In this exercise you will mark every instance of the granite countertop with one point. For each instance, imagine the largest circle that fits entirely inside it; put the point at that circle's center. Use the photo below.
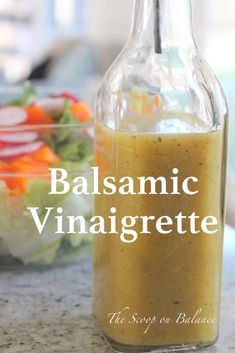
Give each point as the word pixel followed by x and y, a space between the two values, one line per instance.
pixel 50 311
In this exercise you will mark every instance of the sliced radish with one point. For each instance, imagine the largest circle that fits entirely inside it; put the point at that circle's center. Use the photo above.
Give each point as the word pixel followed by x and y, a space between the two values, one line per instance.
pixel 10 153
pixel 52 104
pixel 19 137
pixel 12 116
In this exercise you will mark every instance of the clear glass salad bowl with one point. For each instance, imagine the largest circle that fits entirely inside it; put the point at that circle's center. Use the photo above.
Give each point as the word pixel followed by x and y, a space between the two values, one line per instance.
pixel 39 132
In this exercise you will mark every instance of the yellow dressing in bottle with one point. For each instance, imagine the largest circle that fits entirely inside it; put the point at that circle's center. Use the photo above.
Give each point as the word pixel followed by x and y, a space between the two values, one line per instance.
pixel 160 275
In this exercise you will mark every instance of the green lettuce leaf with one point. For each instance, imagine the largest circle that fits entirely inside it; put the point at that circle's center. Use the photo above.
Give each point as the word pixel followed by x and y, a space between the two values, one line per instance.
pixel 76 151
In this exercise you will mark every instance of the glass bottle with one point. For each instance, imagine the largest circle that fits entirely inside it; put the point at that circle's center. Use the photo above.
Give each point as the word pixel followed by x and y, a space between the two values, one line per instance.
pixel 161 112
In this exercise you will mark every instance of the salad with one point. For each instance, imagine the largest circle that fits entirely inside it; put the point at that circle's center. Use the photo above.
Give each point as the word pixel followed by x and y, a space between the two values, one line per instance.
pixel 37 134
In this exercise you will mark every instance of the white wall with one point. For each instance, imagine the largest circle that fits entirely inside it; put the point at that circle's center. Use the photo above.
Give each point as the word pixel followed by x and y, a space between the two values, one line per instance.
pixel 220 50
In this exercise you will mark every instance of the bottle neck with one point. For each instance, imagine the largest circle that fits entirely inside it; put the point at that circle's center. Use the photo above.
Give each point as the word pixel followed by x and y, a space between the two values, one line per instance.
pixel 163 24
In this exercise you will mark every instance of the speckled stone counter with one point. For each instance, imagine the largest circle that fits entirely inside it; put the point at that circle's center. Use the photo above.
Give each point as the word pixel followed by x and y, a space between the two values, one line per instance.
pixel 50 311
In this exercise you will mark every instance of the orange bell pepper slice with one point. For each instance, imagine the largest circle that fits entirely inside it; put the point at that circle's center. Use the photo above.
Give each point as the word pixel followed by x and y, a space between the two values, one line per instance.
pixel 46 155
pixel 24 171
pixel 36 116
pixel 25 168
pixel 81 111
pixel 12 182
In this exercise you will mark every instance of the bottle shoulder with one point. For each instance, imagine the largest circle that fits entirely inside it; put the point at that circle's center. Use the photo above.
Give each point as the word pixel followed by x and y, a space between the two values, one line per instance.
pixel 141 83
